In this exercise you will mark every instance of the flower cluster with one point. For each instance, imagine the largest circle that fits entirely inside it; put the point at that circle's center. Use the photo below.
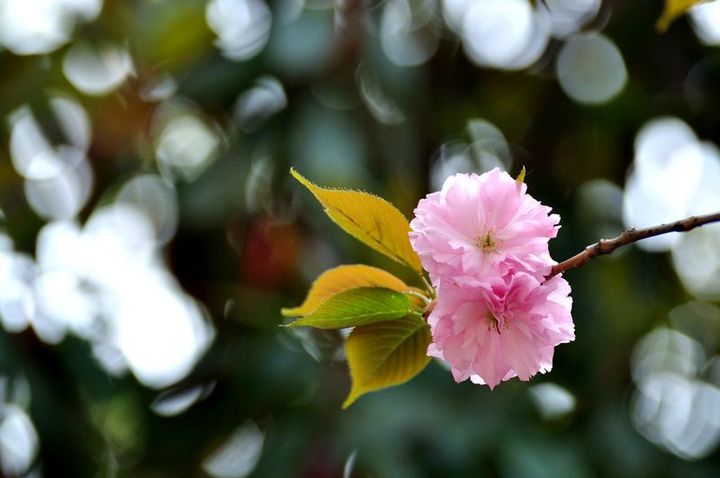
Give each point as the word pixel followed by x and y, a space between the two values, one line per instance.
pixel 484 242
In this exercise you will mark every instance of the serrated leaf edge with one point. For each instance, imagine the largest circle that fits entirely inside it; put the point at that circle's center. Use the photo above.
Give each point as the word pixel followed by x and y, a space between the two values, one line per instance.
pixel 376 244
pixel 353 396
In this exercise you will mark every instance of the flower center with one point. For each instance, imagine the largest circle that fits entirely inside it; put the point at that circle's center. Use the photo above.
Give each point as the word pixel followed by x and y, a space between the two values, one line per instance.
pixel 486 242
pixel 494 323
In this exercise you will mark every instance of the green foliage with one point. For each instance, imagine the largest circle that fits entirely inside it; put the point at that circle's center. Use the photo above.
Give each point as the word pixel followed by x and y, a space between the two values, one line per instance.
pixel 385 354
pixel 340 279
pixel 521 177
pixel 365 305
pixel 389 344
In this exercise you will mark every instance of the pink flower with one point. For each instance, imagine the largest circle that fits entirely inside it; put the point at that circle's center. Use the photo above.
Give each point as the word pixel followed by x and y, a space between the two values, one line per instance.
pixel 480 225
pixel 484 242
pixel 501 328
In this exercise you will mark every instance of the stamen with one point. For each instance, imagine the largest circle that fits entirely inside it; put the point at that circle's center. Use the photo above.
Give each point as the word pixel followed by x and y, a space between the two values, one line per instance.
pixel 486 242
pixel 493 322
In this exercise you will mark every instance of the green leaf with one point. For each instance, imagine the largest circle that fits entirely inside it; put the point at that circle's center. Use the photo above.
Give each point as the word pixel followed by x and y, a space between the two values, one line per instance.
pixel 342 278
pixel 385 354
pixel 361 306
pixel 521 177
pixel 368 218
pixel 674 9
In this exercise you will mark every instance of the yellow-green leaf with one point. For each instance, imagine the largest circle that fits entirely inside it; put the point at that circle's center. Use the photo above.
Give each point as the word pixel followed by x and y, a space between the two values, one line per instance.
pixel 342 278
pixel 368 218
pixel 354 307
pixel 674 9
pixel 521 177
pixel 385 354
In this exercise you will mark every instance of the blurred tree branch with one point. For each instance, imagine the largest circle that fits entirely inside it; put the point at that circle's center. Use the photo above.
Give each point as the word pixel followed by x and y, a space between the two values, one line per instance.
pixel 350 18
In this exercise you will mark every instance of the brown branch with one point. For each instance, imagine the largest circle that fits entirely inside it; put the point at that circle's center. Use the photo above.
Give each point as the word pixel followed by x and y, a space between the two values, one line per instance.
pixel 607 246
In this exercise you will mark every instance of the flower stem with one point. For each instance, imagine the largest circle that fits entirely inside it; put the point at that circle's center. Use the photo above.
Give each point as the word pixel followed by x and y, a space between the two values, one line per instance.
pixel 420 296
pixel 607 246
pixel 428 286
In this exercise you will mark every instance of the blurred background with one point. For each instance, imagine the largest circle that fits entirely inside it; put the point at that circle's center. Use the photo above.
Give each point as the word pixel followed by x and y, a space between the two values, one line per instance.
pixel 150 231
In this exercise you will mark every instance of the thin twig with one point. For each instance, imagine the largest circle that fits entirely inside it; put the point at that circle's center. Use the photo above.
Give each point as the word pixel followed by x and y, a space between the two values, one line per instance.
pixel 607 246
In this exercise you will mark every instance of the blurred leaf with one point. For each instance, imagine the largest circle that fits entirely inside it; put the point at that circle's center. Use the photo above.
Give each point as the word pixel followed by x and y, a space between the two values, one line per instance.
pixel 121 423
pixel 385 354
pixel 521 177
pixel 368 218
pixel 361 306
pixel 340 279
pixel 674 9
pixel 178 22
